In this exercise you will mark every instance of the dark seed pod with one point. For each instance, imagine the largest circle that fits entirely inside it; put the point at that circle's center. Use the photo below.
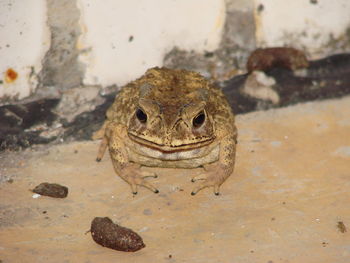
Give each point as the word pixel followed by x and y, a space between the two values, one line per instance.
pixel 52 190
pixel 105 233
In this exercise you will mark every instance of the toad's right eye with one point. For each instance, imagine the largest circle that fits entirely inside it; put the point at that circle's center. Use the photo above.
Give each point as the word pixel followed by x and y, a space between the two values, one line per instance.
pixel 141 115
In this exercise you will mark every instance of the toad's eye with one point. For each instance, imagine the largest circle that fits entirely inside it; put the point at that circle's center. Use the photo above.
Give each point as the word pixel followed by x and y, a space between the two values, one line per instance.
pixel 198 120
pixel 141 115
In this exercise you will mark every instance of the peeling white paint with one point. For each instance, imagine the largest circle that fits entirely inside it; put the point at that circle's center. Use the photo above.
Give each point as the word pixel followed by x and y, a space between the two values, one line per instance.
pixel 24 40
pixel 301 23
pixel 121 39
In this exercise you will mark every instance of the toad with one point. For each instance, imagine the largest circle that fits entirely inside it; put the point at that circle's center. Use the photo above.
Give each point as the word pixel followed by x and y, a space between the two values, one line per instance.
pixel 170 118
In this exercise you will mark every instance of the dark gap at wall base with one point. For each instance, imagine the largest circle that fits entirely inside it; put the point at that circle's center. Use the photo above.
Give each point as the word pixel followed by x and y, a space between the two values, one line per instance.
pixel 23 125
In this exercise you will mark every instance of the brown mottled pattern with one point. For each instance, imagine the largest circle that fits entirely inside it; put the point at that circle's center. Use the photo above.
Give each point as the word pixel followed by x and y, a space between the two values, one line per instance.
pixel 171 100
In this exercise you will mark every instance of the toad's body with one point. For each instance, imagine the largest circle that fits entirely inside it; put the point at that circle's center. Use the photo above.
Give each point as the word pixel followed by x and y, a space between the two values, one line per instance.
pixel 170 118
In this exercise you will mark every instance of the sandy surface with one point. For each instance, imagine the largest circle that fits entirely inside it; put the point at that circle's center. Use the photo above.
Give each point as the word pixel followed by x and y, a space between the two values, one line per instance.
pixel 289 190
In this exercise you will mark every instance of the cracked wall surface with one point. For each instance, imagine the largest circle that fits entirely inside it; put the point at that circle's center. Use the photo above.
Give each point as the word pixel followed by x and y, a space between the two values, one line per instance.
pixel 61 67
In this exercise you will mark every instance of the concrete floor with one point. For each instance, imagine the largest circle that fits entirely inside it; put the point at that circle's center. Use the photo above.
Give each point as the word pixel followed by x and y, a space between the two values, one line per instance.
pixel 289 190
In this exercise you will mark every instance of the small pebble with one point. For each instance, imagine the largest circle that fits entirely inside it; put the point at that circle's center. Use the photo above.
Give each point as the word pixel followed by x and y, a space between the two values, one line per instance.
pixel 36 196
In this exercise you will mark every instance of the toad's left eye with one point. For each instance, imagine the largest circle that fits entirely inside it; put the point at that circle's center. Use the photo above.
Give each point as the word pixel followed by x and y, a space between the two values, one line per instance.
pixel 198 120
pixel 141 115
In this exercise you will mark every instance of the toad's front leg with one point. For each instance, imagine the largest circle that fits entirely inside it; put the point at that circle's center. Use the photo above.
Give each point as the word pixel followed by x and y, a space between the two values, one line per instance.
pixel 216 173
pixel 130 172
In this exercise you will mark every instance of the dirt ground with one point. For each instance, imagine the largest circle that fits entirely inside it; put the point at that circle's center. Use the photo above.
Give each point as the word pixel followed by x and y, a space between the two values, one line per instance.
pixel 284 202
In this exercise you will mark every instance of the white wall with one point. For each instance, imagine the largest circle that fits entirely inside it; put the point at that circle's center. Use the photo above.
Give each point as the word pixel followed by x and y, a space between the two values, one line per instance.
pixel 24 40
pixel 109 56
pixel 308 24
pixel 155 26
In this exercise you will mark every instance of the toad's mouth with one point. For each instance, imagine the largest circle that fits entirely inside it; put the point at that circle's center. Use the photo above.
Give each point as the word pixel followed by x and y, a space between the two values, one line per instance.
pixel 168 148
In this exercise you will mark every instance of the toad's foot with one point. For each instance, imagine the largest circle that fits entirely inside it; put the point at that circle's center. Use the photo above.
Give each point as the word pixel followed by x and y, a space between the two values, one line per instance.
pixel 214 176
pixel 133 175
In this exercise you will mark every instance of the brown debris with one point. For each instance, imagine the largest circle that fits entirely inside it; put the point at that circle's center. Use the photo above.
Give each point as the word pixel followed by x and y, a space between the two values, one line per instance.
pixel 52 190
pixel 107 234
pixel 264 59
pixel 341 227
